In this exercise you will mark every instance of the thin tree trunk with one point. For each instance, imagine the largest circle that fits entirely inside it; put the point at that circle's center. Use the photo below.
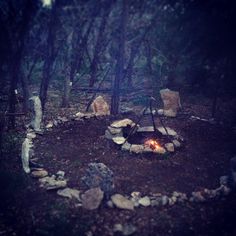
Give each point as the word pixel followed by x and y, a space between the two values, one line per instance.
pixel 115 100
pixel 66 91
pixel 13 88
pixel 49 57
pixel 25 89
pixel 79 48
pixel 98 48
pixel 135 48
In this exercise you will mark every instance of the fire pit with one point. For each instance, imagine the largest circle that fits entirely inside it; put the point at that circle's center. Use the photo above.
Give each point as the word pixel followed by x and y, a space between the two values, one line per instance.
pixel 143 139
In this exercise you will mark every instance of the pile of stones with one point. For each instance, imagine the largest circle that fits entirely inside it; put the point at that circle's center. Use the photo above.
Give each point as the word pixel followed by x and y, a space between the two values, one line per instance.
pixel 115 132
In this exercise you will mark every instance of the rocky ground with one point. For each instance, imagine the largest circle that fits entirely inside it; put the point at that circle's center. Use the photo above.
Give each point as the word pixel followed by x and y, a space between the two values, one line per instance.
pixel 148 184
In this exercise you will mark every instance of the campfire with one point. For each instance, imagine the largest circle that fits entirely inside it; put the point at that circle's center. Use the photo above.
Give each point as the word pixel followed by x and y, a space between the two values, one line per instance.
pixel 153 144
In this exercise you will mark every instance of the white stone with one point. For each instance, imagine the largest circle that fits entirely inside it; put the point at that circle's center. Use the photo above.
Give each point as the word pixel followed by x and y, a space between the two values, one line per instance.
pixel 49 125
pixel 50 183
pixel 170 131
pixel 160 112
pixel 100 107
pixel 171 101
pixel 136 148
pixel 36 122
pixel 122 202
pixel 114 130
pixel 136 195
pixel 118 140
pixel 39 173
pixel 144 201
pixel 69 193
pixel 170 147
pixel 61 173
pixel 31 135
pixel 126 146
pixel 122 123
pixel 164 200
pixel 176 143
pixel 25 154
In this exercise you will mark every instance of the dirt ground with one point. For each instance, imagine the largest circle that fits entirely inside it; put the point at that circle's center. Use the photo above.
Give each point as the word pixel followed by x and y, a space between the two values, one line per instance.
pixel 27 209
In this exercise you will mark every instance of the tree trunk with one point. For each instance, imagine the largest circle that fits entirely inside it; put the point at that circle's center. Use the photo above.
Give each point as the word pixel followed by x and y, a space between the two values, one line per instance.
pixel 115 100
pixel 25 89
pixel 28 12
pixel 49 57
pixel 66 92
pixel 98 48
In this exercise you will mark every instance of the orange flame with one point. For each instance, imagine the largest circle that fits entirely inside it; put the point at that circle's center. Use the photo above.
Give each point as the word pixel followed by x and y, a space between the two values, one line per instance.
pixel 152 143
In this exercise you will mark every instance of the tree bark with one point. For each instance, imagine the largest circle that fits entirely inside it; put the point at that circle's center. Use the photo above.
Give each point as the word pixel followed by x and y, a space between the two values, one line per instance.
pixel 28 12
pixel 98 48
pixel 49 56
pixel 115 100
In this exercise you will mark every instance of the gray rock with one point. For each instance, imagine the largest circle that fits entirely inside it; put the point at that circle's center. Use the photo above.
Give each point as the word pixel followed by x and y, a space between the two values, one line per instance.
pixel 136 148
pixel 224 180
pixel 126 229
pixel 50 183
pixel 170 147
pixel 110 204
pixel 92 198
pixel 129 229
pixel 37 118
pixel 122 123
pixel 170 131
pixel 108 135
pixel 176 143
pixel 171 101
pixel 119 140
pixel 144 201
pixel 197 197
pixel 122 202
pixel 126 146
pixel 99 175
pixel 60 175
pixel 164 200
pixel 155 202
pixel 39 173
pixel 31 135
pixel 69 193
pixel 25 154
pixel 100 107
pixel 160 112
pixel 49 125
pixel 113 130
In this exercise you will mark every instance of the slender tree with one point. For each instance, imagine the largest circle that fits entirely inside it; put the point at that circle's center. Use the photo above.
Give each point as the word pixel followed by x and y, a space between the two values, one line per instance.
pixel 119 71
pixel 50 54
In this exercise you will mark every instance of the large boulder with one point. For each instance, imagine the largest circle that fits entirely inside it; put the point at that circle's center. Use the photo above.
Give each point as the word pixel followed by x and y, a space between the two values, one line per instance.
pixel 100 106
pixel 171 101
pixel 99 175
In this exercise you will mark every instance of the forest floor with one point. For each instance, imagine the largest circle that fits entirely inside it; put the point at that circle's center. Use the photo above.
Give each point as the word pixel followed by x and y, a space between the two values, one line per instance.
pixel 27 209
